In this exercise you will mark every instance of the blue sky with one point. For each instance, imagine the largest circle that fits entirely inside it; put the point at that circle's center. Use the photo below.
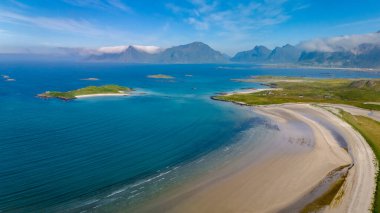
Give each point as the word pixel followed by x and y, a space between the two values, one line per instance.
pixel 226 25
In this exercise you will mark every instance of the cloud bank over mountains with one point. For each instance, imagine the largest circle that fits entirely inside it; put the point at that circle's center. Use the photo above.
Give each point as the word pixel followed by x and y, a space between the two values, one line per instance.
pixel 332 44
pixel 340 43
pixel 120 49
pixel 361 50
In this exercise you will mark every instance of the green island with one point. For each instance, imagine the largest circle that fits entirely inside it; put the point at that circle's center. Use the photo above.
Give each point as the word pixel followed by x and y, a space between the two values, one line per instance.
pixel 90 90
pixel 162 76
pixel 362 93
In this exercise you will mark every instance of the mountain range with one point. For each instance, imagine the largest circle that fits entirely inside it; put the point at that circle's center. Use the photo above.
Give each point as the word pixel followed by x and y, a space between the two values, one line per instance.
pixel 366 55
pixel 196 52
pixel 361 51
pixel 260 54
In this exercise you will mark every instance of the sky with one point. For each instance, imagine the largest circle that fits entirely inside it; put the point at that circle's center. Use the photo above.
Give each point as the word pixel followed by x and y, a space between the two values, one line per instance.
pixel 226 25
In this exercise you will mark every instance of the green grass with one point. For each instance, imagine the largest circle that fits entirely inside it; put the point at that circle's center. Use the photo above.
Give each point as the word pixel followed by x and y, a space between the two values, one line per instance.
pixel 267 78
pixel 160 76
pixel 326 198
pixel 336 91
pixel 106 89
pixel 370 130
pixel 307 90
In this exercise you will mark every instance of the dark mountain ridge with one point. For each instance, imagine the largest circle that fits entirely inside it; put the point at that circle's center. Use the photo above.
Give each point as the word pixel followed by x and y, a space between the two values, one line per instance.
pixel 196 52
pixel 261 54
pixel 256 55
pixel 364 55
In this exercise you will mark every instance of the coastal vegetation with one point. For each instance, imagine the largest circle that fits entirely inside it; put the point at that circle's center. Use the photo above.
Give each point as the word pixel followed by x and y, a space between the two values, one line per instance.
pixel 326 198
pixel 363 93
pixel 90 90
pixel 370 130
pixel 160 76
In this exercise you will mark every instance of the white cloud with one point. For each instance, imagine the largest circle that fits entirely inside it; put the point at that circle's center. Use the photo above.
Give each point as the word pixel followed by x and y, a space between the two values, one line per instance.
pixel 120 49
pixel 85 3
pixel 174 8
pixel 113 49
pixel 19 4
pixel 148 49
pixel 340 43
pixel 224 16
pixel 359 23
pixel 59 24
pixel 120 5
pixel 81 29
pixel 72 51
pixel 203 6
pixel 105 5
pixel 200 25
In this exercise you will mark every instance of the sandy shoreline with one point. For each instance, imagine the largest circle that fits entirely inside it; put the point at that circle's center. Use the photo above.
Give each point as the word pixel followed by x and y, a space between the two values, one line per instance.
pixel 290 66
pixel 360 183
pixel 301 156
pixel 375 115
pixel 358 69
pixel 102 95
pixel 252 90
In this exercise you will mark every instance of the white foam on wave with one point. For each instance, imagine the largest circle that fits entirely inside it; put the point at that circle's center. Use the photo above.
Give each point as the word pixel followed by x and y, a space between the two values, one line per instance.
pixel 132 196
pixel 136 191
pixel 117 192
pixel 150 179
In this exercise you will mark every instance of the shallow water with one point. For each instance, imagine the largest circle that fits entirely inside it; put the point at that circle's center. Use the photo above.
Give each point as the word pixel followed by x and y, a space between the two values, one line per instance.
pixel 83 154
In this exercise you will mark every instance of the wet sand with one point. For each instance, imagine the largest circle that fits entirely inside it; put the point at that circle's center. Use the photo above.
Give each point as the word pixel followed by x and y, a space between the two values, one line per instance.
pixel 285 170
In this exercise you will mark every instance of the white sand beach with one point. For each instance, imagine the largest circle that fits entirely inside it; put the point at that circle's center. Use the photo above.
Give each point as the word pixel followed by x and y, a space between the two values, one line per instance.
pixel 375 115
pixel 283 173
pixel 253 90
pixel 102 95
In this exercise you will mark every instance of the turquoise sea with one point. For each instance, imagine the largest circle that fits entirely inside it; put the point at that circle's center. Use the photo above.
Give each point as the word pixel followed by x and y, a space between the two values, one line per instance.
pixel 105 153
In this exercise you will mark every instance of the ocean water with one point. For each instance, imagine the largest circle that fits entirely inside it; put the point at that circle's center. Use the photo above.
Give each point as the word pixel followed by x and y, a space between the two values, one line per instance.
pixel 97 153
